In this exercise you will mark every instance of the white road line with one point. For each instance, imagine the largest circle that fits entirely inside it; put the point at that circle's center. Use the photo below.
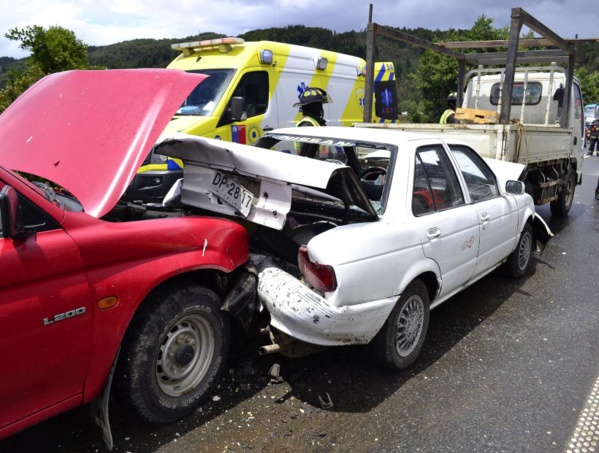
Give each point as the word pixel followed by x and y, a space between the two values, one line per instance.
pixel 585 438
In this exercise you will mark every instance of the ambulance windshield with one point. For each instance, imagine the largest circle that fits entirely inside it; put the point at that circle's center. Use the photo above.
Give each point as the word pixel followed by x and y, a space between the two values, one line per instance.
pixel 205 97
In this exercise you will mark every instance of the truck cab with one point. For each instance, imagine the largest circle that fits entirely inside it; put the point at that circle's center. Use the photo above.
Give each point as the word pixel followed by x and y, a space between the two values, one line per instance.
pixel 537 96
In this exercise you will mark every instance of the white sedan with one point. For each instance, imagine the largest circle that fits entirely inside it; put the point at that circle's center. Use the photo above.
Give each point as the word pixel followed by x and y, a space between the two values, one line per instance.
pixel 358 233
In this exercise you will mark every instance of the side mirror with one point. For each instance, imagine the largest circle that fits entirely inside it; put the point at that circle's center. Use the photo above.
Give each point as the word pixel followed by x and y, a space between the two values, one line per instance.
pixel 514 187
pixel 237 108
pixel 11 217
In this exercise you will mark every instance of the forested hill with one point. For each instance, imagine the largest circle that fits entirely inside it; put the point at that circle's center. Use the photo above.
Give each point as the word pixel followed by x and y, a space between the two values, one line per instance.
pixel 157 53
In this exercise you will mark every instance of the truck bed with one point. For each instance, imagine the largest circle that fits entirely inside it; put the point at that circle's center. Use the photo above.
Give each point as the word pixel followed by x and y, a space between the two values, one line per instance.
pixel 526 144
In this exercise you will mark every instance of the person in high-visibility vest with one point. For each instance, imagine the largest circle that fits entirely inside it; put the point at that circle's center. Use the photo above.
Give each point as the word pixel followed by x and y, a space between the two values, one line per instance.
pixel 448 116
pixel 311 103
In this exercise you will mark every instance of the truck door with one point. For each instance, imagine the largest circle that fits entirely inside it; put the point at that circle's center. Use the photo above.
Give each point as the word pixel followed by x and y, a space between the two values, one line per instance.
pixel 45 319
pixel 578 120
pixel 254 88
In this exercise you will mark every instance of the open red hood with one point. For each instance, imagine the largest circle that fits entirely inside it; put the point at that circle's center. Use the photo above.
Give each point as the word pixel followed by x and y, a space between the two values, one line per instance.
pixel 89 131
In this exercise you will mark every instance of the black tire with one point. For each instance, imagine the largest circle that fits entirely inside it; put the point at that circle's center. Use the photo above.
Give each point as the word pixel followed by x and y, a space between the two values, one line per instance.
pixel 519 261
pixel 173 354
pixel 561 206
pixel 400 340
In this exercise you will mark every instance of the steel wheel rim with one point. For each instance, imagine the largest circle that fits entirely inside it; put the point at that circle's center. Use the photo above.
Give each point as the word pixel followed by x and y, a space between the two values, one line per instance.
pixel 185 355
pixel 524 251
pixel 409 326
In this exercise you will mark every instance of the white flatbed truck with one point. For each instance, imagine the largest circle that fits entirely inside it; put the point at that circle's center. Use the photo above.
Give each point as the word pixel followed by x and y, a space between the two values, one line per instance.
pixel 528 114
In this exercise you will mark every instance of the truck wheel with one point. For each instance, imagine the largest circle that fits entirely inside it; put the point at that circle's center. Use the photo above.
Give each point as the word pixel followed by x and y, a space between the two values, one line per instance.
pixel 519 261
pixel 400 340
pixel 561 206
pixel 173 353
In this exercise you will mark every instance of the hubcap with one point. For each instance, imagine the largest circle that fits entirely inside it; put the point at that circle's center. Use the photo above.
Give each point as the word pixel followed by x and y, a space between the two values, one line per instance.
pixel 409 326
pixel 524 251
pixel 185 355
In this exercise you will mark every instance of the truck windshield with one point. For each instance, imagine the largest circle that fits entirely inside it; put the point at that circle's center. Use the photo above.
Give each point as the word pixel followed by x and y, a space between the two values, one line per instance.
pixel 205 97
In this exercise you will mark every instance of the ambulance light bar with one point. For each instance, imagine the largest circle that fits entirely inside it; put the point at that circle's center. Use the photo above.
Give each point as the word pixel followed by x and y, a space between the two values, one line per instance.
pixel 224 45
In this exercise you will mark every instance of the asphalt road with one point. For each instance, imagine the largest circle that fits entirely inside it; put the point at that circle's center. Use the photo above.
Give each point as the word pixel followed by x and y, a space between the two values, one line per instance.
pixel 508 366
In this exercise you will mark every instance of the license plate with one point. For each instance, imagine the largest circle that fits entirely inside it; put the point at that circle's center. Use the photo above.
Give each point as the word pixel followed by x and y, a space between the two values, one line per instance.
pixel 232 192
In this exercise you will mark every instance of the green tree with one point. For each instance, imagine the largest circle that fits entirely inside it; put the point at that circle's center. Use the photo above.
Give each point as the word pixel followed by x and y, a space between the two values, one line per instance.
pixel 437 75
pixel 52 50
pixel 17 82
pixel 590 85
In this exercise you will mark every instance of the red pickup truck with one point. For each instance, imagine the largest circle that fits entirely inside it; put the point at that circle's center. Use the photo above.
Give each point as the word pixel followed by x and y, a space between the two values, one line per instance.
pixel 88 284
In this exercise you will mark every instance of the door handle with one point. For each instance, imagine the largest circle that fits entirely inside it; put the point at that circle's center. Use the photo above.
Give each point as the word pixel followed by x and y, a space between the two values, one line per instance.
pixel 433 233
pixel 267 129
pixel 484 217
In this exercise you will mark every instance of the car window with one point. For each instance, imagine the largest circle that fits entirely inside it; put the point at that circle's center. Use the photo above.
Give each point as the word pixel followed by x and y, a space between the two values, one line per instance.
pixel 205 97
pixel 479 178
pixel 369 161
pixel 530 96
pixel 253 87
pixel 436 186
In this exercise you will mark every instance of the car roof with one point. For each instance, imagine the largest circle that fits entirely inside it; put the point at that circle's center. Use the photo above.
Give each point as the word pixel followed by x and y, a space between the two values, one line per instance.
pixel 374 135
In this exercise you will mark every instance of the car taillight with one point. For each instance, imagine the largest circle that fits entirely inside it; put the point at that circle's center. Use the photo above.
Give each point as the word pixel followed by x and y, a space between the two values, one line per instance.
pixel 320 276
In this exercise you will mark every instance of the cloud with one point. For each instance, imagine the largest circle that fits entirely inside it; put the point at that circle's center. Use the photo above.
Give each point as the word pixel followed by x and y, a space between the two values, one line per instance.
pixel 103 22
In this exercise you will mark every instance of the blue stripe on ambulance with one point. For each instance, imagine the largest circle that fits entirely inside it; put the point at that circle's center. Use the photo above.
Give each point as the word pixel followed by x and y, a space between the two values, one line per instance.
pixel 380 75
pixel 172 165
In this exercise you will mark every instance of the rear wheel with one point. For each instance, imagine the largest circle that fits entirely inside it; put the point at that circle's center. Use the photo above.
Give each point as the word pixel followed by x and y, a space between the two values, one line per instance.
pixel 173 354
pixel 519 261
pixel 400 340
pixel 561 206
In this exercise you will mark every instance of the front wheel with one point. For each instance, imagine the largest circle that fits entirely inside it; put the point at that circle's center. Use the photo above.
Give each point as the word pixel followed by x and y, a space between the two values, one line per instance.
pixel 561 206
pixel 519 261
pixel 173 353
pixel 400 340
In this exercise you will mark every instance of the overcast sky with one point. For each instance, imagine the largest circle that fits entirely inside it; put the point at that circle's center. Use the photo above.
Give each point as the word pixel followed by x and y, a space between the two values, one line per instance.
pixel 102 22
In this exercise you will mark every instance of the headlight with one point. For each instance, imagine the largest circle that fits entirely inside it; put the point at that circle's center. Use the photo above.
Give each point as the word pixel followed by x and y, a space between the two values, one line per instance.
pixel 157 158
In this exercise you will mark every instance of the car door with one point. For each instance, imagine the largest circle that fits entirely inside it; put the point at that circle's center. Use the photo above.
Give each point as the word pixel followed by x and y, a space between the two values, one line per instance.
pixel 44 318
pixel 497 214
pixel 448 227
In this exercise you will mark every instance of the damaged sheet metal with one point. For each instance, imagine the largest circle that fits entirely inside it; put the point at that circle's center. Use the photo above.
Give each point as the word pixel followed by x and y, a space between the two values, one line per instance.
pixel 270 206
pixel 302 313
pixel 272 178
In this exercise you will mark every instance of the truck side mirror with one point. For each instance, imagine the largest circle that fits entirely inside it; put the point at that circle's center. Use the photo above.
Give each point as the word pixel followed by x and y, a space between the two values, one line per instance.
pixel 237 108
pixel 11 217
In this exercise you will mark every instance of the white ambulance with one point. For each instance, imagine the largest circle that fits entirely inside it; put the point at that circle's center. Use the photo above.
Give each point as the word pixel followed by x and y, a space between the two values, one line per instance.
pixel 251 89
